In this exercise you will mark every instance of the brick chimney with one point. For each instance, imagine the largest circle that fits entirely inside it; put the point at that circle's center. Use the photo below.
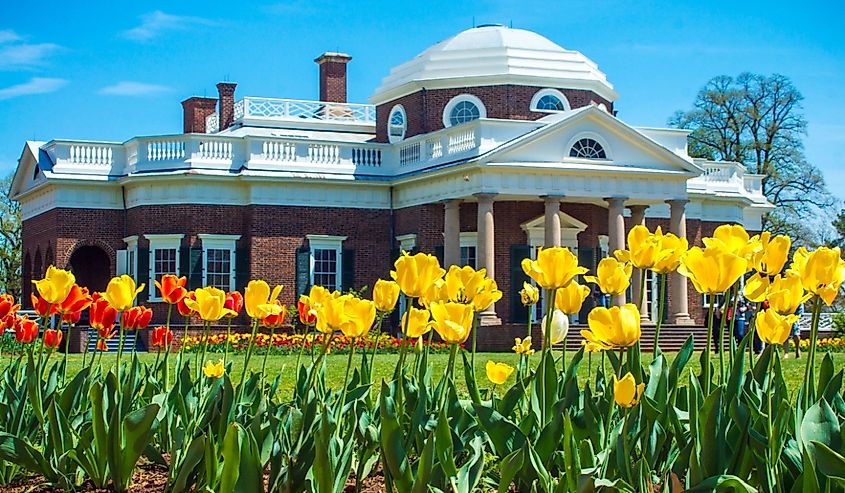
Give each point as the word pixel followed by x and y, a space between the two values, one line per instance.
pixel 194 111
pixel 226 112
pixel 333 76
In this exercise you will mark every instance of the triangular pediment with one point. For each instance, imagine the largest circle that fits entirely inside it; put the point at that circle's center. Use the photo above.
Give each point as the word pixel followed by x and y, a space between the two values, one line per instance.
pixel 29 172
pixel 623 145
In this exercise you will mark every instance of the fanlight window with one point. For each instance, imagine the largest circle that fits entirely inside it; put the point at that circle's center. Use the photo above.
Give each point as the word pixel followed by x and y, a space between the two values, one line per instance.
pixel 587 149
pixel 463 112
pixel 397 124
pixel 550 102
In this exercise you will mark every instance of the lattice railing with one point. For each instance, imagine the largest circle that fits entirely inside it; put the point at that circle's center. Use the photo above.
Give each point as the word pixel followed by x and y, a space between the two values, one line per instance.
pixel 294 109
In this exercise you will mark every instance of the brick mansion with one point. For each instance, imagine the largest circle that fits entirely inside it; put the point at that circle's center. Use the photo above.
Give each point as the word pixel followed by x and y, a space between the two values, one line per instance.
pixel 481 149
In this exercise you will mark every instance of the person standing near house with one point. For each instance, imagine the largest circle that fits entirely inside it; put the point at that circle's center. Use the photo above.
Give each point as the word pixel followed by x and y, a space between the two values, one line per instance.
pixel 740 322
pixel 795 335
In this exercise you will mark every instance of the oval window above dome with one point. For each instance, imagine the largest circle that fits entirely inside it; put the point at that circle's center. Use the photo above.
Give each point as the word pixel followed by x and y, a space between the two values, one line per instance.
pixel 463 108
pixel 549 101
pixel 397 124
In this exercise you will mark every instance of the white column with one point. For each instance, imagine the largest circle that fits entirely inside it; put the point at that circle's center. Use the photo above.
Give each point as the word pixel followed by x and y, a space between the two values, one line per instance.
pixel 678 303
pixel 451 233
pixel 485 250
pixel 552 221
pixel 616 233
pixel 638 218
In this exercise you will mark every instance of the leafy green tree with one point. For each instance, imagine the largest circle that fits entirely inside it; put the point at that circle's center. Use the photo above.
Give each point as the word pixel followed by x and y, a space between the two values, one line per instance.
pixel 757 120
pixel 10 241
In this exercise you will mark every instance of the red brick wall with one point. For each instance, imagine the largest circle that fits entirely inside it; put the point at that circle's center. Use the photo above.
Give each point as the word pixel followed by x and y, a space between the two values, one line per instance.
pixel 194 112
pixel 424 108
pixel 333 78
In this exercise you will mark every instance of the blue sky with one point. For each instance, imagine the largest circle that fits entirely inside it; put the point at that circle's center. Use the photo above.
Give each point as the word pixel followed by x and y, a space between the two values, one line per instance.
pixel 113 70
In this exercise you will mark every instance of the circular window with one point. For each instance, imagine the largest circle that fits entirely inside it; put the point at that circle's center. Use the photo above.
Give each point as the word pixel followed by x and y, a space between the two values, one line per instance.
pixel 549 101
pixel 397 124
pixel 587 149
pixel 462 109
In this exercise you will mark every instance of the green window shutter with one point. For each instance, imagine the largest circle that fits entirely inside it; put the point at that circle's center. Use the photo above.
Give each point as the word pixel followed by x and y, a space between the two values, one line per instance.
pixel 143 274
pixel 303 271
pixel 519 314
pixel 439 252
pixel 196 268
pixel 587 258
pixel 241 269
pixel 347 275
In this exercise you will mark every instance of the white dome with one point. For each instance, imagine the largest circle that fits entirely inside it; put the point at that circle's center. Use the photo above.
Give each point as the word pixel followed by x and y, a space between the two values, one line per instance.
pixel 492 55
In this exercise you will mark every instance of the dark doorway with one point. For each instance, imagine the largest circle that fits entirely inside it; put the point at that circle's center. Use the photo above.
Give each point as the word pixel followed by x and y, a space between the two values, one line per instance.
pixel 91 266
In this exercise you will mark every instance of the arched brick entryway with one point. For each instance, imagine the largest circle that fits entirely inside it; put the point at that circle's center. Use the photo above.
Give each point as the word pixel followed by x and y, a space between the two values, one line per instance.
pixel 91 266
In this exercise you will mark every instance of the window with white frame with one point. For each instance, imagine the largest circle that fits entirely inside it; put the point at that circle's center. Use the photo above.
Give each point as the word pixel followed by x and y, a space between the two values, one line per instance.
pixel 463 108
pixel 587 149
pixel 397 124
pixel 164 259
pixel 407 243
pixel 469 248
pixel 549 101
pixel 218 255
pixel 326 260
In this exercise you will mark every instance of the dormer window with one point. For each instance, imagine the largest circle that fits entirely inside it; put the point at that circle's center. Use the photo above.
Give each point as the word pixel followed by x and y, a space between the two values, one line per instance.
pixel 587 149
pixel 397 124
pixel 463 108
pixel 549 101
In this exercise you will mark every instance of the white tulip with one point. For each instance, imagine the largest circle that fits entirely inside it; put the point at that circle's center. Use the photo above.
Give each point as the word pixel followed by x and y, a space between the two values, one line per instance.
pixel 559 328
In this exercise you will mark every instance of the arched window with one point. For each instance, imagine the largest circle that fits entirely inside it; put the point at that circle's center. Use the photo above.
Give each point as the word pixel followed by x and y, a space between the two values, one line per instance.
pixel 587 149
pixel 397 124
pixel 549 101
pixel 463 108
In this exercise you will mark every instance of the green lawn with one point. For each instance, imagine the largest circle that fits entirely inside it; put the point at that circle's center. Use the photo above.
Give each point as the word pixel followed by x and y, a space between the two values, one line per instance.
pixel 336 365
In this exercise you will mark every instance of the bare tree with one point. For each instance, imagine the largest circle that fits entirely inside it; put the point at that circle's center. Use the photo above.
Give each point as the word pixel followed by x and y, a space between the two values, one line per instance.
pixel 757 120
pixel 10 241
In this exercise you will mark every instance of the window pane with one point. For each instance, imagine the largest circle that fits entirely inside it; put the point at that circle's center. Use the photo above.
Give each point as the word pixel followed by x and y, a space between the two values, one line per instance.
pixel 218 268
pixel 164 262
pixel 468 256
pixel 463 112
pixel 325 268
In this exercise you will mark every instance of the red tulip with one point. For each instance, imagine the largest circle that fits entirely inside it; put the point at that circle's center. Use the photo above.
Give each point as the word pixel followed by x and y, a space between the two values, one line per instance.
pixel 274 321
pixel 235 302
pixel 77 300
pixel 101 345
pixel 306 315
pixel 41 306
pixel 184 310
pixel 52 338
pixel 101 315
pixel 137 317
pixel 26 330
pixel 71 318
pixel 7 306
pixel 172 288
pixel 161 337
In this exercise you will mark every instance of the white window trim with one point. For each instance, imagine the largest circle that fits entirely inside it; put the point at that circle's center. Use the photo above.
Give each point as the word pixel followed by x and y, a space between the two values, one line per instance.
pixel 131 247
pixel 327 242
pixel 407 242
pixel 161 242
pixel 218 242
pixel 549 92
pixel 588 135
pixel 390 137
pixel 447 111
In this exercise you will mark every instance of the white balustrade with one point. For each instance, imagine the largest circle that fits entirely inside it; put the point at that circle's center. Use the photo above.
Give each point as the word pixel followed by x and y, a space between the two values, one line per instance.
pixel 278 150
pixel 165 150
pixel 93 154
pixel 324 153
pixel 363 156
pixel 298 110
pixel 434 148
pixel 409 154
pixel 462 141
pixel 214 149
pixel 212 123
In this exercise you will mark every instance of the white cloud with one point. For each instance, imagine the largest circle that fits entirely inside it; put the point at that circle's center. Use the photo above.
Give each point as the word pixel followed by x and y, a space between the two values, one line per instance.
pixel 132 88
pixel 7 35
pixel 36 85
pixel 156 23
pixel 25 55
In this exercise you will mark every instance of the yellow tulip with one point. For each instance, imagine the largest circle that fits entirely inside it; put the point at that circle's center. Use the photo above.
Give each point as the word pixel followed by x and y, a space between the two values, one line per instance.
pixel 358 317
pixel 487 294
pixel 756 288
pixel 213 370
pixel 257 297
pixel 452 321
pixel 437 292
pixel 643 248
pixel 559 327
pixel 210 304
pixel 529 295
pixel 56 285
pixel 772 254
pixel 786 292
pixel 385 295
pixel 614 327
pixel 591 347
pixel 554 267
pixel 522 346
pixel 416 273
pixel 669 253
pixel 612 276
pixel 774 328
pixel 730 237
pixel 463 282
pixel 626 392
pixel 498 373
pixel 417 325
pixel 331 314
pixel 822 272
pixel 121 292
pixel 569 299
pixel 712 270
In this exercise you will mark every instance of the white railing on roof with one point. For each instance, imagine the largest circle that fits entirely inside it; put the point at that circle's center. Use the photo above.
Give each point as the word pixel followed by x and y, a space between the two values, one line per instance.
pixel 86 157
pixel 726 177
pixel 299 110
pixel 212 123
pixel 753 183
pixel 442 146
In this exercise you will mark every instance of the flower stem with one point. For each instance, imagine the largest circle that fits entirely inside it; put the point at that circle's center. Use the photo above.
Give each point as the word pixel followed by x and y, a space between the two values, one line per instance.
pixel 267 353
pixel 248 354
pixel 205 333
pixel 810 371
pixel 342 401
pixel 228 338
pixel 167 347
pixel 729 293
pixel 705 372
pixel 660 307
pixel 772 463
